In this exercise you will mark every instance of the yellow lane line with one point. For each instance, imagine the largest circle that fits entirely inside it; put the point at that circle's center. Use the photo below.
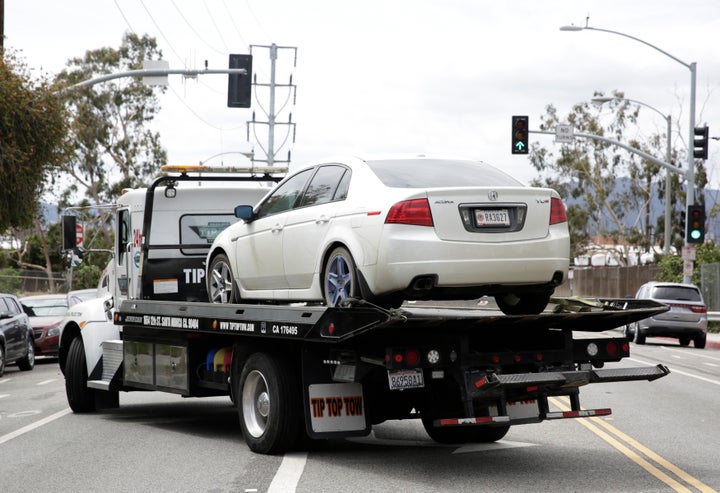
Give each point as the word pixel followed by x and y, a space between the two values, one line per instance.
pixel 594 424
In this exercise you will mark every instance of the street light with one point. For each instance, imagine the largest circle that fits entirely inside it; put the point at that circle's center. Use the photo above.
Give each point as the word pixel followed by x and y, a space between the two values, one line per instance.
pixel 668 158
pixel 690 173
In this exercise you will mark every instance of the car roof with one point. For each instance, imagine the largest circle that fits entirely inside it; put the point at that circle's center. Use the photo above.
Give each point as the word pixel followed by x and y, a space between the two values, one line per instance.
pixel 44 297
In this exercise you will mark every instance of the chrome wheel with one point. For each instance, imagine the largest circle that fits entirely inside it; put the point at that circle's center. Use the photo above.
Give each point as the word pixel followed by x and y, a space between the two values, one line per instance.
pixel 339 277
pixel 256 403
pixel 220 281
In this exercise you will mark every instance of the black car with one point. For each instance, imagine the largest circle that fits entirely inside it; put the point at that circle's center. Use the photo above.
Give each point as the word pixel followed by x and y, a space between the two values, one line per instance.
pixel 16 335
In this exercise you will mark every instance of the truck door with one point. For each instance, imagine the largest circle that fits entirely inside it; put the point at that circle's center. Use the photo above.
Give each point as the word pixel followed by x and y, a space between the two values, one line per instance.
pixel 128 256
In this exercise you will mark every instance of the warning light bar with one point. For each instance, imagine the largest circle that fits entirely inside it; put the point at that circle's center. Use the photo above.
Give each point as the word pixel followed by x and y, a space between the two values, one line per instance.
pixel 201 168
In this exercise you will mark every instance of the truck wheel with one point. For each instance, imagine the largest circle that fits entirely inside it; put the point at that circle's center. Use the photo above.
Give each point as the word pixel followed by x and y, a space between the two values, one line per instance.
pixel 269 404
pixel 523 304
pixel 2 360
pixel 465 434
pixel 28 362
pixel 80 398
pixel 339 278
pixel 221 283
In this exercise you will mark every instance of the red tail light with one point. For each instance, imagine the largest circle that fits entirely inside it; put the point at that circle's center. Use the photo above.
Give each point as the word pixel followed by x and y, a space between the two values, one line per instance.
pixel 698 309
pixel 414 212
pixel 557 211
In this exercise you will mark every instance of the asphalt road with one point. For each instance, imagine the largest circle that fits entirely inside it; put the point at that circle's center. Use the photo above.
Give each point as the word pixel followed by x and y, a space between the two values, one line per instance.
pixel 662 436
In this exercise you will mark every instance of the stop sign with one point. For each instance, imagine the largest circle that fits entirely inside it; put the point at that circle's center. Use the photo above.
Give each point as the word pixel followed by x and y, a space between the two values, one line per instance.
pixel 79 235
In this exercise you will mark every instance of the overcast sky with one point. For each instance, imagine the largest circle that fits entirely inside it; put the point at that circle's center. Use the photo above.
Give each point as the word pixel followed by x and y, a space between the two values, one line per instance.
pixel 441 77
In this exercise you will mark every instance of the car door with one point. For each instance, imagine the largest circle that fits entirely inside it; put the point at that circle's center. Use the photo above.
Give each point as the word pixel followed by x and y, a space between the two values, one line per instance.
pixel 259 244
pixel 12 327
pixel 307 227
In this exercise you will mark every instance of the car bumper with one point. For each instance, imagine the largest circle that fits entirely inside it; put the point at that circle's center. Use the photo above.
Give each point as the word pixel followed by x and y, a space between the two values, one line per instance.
pixel 47 346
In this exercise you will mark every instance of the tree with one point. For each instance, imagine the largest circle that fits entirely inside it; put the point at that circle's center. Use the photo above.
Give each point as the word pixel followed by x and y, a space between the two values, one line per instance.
pixel 588 174
pixel 33 134
pixel 114 148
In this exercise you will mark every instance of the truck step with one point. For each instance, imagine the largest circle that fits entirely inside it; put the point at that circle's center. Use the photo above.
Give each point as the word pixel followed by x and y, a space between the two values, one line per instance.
pixel 648 373
pixel 112 359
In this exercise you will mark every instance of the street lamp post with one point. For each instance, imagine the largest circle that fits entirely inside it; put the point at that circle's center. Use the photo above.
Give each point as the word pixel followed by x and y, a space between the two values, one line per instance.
pixel 690 173
pixel 668 158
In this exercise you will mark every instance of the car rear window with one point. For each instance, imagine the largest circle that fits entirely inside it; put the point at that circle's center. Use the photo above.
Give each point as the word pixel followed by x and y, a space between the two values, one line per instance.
pixel 431 173
pixel 676 293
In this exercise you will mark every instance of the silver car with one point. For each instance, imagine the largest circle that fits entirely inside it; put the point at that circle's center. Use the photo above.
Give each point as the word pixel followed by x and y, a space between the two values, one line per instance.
pixel 686 319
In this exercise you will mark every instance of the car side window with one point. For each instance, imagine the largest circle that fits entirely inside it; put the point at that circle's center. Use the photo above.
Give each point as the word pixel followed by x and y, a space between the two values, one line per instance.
pixel 3 306
pixel 13 306
pixel 323 186
pixel 285 196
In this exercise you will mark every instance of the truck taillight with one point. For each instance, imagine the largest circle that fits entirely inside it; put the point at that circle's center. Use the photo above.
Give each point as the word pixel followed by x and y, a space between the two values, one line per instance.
pixel 413 212
pixel 557 211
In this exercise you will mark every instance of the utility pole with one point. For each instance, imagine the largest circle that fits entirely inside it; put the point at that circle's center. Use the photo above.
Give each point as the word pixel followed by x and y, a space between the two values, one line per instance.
pixel 271 114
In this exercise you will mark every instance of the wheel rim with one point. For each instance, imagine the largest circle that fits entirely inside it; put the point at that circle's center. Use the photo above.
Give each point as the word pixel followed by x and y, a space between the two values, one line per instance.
pixel 256 403
pixel 221 283
pixel 339 281
pixel 31 353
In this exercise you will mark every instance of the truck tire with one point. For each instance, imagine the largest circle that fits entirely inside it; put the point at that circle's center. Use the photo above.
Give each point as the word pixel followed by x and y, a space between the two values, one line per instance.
pixel 80 398
pixel 639 335
pixel 221 282
pixel 269 404
pixel 523 304
pixel 28 362
pixel 339 277
pixel 465 434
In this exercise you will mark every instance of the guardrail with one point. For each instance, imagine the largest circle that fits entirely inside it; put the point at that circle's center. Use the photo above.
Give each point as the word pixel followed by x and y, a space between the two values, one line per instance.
pixel 713 316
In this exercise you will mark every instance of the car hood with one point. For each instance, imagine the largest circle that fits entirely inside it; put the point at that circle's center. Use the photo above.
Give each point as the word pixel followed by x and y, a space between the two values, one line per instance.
pixel 43 322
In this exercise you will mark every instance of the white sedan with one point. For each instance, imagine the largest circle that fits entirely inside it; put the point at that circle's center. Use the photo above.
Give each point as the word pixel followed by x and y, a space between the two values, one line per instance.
pixel 395 228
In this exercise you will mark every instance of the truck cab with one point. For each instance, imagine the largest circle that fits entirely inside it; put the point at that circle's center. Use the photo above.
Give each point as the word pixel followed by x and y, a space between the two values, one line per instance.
pixel 162 235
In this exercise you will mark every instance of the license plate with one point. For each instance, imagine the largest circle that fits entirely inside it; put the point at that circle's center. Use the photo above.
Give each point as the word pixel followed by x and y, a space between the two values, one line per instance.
pixel 406 379
pixel 492 217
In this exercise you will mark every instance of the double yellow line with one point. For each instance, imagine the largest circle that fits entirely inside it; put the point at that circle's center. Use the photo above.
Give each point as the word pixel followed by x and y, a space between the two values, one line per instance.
pixel 635 451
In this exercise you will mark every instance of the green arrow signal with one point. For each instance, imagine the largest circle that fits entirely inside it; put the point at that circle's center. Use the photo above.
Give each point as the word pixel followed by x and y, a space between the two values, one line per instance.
pixel 519 146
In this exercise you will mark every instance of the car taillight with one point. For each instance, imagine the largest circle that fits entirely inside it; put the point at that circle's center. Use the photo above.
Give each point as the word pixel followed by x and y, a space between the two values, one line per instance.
pixel 557 211
pixel 414 212
pixel 698 309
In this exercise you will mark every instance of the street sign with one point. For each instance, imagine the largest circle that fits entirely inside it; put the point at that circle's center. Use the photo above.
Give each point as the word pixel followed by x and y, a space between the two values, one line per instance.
pixel 79 239
pixel 688 253
pixel 688 268
pixel 564 134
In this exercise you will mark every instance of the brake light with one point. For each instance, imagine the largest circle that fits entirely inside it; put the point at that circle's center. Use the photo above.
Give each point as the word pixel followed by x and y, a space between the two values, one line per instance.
pixel 413 212
pixel 557 211
pixel 698 309
pixel 692 308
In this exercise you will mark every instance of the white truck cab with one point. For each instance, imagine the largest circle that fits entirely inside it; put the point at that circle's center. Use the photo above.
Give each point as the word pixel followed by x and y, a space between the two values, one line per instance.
pixel 162 235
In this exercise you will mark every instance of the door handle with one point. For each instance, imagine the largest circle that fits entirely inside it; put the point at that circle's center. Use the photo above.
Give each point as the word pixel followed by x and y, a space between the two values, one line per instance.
pixel 322 220
pixel 277 228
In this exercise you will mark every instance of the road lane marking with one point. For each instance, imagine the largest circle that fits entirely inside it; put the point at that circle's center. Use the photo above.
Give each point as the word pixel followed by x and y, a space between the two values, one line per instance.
pixel 288 474
pixel 35 425
pixel 594 425
pixel 45 382
pixel 3 395
pixel 5 380
pixel 680 372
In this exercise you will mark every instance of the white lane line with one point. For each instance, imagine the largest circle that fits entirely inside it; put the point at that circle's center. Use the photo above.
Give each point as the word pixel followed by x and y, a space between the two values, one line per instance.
pixel 680 372
pixel 35 425
pixel 288 474
pixel 5 380
pixel 3 395
pixel 45 382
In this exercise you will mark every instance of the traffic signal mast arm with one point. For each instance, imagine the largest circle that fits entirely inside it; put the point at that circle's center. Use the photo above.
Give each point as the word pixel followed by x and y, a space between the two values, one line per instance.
pixel 644 155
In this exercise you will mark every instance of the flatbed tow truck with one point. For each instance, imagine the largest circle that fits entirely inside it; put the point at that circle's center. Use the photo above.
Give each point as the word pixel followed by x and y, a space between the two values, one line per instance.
pixel 298 372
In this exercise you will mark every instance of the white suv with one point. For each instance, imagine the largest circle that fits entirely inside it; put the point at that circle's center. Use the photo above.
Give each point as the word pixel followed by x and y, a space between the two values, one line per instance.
pixel 686 319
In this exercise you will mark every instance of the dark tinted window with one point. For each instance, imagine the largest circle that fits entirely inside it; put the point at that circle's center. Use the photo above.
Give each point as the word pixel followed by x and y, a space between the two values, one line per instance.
pixel 285 195
pixel 679 293
pixel 430 173
pixel 323 185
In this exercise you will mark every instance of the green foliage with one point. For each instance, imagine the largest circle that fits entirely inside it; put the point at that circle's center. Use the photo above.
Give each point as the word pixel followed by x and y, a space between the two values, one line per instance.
pixel 10 280
pixel 671 266
pixel 33 132
pixel 86 276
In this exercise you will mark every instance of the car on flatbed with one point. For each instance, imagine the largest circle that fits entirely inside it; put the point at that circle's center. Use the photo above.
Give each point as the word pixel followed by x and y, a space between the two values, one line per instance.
pixel 394 228
pixel 686 320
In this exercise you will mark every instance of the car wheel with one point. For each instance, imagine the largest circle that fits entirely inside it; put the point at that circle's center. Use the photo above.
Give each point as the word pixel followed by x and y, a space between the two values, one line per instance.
pixel 684 341
pixel 340 278
pixel 639 335
pixel 80 398
pixel 28 362
pixel 221 283
pixel 523 304
pixel 2 360
pixel 465 434
pixel 700 341
pixel 630 331
pixel 269 398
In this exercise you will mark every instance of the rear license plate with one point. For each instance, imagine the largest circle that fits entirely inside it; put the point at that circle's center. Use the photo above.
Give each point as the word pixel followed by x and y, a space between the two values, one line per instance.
pixel 406 379
pixel 492 217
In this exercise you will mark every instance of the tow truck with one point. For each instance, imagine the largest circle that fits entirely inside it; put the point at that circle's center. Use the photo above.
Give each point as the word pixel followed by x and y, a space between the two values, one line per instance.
pixel 300 372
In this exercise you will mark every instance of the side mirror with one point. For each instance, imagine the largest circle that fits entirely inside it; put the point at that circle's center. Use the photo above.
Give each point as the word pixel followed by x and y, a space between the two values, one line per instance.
pixel 245 212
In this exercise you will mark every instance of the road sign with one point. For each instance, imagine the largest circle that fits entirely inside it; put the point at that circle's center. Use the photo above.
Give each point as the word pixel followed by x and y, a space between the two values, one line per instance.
pixel 564 134
pixel 79 239
pixel 688 253
pixel 688 268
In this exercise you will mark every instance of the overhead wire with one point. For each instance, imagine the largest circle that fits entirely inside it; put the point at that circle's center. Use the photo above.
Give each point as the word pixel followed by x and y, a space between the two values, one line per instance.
pixel 124 17
pixel 192 28
pixel 216 27
pixel 161 32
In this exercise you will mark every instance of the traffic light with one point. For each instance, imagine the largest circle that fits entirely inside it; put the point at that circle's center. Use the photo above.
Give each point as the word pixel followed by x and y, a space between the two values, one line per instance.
pixel 695 224
pixel 700 144
pixel 520 132
pixel 240 86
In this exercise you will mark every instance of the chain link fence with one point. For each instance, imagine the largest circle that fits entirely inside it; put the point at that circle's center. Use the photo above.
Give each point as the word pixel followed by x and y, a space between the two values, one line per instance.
pixel 710 285
pixel 18 282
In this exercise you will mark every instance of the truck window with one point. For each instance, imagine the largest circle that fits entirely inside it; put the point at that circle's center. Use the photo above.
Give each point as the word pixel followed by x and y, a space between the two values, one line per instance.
pixel 123 234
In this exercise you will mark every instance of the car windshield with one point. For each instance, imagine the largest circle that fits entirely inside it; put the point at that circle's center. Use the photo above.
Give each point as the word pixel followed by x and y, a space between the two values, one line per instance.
pixel 676 293
pixel 431 173
pixel 45 308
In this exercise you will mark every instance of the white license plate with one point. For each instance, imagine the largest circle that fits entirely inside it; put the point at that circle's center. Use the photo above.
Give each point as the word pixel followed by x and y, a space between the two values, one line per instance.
pixel 406 379
pixel 492 217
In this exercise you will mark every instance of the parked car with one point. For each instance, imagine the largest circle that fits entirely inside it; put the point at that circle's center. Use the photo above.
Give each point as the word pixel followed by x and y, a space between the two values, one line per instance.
pixel 392 229
pixel 16 335
pixel 80 295
pixel 686 320
pixel 46 312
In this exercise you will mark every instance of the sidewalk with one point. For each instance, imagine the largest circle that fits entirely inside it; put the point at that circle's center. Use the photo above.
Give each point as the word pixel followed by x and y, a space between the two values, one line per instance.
pixel 713 340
